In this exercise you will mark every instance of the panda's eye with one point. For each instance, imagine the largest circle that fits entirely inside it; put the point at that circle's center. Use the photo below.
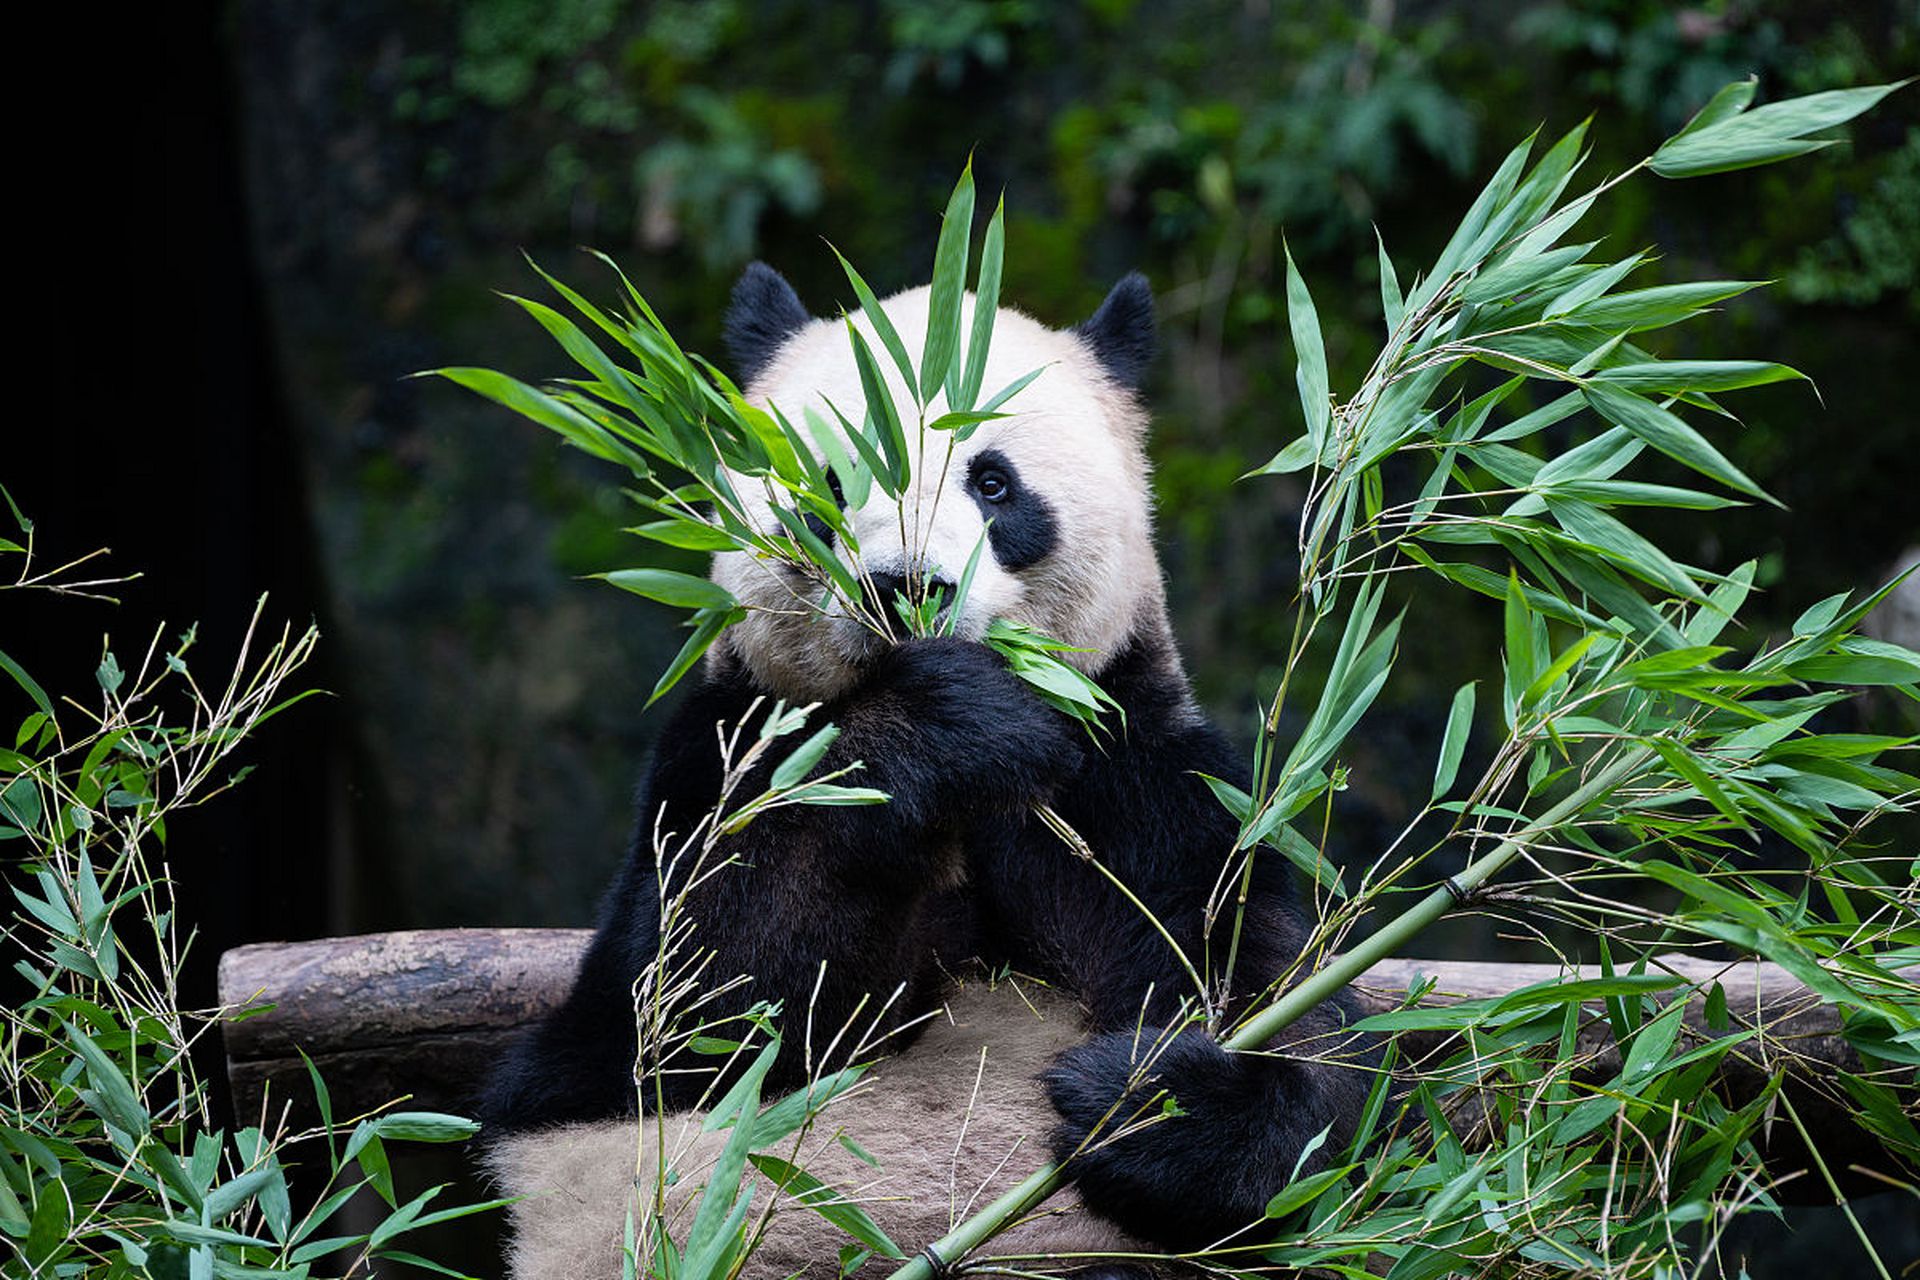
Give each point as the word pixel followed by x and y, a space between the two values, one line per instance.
pixel 992 485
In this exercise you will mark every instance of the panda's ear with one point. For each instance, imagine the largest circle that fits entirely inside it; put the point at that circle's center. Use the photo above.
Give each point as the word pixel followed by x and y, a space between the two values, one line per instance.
pixel 762 314
pixel 1120 333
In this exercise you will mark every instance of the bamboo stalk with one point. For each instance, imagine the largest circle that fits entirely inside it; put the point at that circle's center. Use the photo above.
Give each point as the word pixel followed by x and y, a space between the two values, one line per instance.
pixel 1256 1031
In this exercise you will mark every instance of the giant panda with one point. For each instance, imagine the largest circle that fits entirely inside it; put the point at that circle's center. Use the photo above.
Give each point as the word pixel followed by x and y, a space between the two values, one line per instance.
pixel 1051 994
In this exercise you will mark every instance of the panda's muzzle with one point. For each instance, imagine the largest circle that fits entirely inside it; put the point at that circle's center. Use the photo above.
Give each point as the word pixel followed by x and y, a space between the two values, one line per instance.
pixel 882 587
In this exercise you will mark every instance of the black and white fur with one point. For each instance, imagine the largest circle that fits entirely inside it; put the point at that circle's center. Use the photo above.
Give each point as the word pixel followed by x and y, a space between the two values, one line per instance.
pixel 956 870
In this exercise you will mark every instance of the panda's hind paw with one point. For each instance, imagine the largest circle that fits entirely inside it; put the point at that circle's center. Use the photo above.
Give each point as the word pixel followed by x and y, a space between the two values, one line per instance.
pixel 1165 1133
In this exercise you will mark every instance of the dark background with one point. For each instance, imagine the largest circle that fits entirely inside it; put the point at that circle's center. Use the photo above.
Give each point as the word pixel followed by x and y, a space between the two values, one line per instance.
pixel 314 201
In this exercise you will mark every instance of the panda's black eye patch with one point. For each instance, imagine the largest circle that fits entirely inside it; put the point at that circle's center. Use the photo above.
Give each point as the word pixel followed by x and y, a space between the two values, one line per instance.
pixel 1022 530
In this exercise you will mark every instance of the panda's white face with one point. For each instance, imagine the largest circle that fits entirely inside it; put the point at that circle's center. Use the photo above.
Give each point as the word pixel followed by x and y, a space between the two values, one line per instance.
pixel 1057 490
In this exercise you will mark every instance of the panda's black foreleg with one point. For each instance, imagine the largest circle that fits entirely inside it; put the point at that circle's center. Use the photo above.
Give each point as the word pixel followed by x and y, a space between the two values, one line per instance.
pixel 836 912
pixel 829 911
pixel 1213 1134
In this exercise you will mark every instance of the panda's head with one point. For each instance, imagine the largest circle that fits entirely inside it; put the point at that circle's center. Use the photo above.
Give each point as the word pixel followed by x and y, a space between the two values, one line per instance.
pixel 1058 488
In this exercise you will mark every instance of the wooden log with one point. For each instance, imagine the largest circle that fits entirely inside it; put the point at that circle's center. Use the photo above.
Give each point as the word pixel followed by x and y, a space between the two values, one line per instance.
pixel 425 1013
pixel 384 1015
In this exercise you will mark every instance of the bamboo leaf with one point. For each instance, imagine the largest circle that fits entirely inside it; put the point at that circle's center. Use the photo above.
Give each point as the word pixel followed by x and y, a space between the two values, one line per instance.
pixel 714 1225
pixel 1462 247
pixel 681 590
pixel 1453 743
pixel 1858 669
pixel 949 282
pixel 1632 493
pixel 27 683
pixel 1559 667
pixel 827 794
pixel 1009 391
pixel 772 441
pixel 818 553
pixel 1679 377
pixel 1592 286
pixel 881 411
pixel 707 626
pixel 789 1115
pixel 800 761
pixel 1554 411
pixel 1683 763
pixel 1519 625
pixel 1310 355
pixel 1633 553
pixel 585 352
pixel 1658 306
pixel 962 423
pixel 1737 138
pixel 572 425
pixel 112 1096
pixel 686 532
pixel 1541 187
pixel 964 587
pixel 811 1193
pixel 856 479
pixel 1301 453
pixel 986 306
pixel 1667 433
pixel 873 466
pixel 1392 304
pixel 1519 273
pixel 1727 102
pixel 882 326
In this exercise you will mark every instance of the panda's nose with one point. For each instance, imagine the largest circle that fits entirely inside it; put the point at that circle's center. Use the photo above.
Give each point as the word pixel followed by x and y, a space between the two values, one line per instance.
pixel 882 587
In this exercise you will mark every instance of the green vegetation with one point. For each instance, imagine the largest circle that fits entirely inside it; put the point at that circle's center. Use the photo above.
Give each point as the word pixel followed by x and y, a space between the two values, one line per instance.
pixel 111 1160
pixel 111 1163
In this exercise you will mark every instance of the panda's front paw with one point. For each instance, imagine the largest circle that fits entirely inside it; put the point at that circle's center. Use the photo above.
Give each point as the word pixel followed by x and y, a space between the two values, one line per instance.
pixel 975 719
pixel 1167 1134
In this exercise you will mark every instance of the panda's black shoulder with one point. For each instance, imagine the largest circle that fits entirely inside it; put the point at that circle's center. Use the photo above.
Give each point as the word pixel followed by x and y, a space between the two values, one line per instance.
pixel 1164 727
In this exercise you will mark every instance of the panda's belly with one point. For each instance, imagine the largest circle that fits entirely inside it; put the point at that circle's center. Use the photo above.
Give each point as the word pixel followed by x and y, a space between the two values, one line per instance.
pixel 953 1121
